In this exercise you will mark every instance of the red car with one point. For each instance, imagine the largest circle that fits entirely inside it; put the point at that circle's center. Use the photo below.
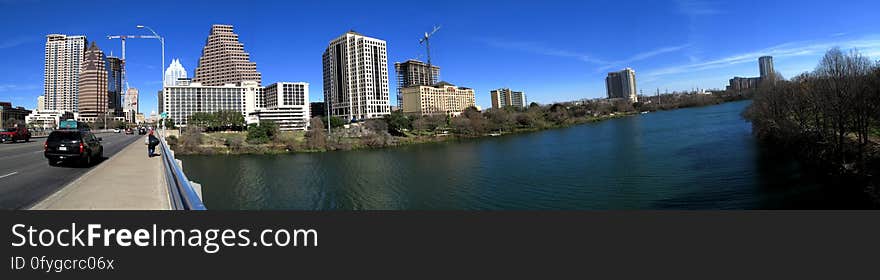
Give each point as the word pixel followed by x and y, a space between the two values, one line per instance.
pixel 14 134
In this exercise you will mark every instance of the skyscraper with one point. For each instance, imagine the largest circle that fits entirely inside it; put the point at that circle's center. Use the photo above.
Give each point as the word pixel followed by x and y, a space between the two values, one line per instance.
pixel 622 84
pixel 765 65
pixel 131 104
pixel 41 103
pixel 175 71
pixel 414 73
pixel 504 97
pixel 356 77
pixel 93 93
pixel 114 85
pixel 224 60
pixel 63 62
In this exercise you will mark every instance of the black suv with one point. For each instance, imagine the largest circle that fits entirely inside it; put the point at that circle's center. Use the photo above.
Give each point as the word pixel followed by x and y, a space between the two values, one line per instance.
pixel 73 145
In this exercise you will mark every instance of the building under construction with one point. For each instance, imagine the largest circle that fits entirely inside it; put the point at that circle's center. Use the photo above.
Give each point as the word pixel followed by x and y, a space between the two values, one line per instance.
pixel 414 73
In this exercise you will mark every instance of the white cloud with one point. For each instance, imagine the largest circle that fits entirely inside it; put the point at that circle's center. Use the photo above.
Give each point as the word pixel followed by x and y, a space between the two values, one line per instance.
pixel 696 8
pixel 867 46
pixel 643 56
pixel 13 88
pixel 537 48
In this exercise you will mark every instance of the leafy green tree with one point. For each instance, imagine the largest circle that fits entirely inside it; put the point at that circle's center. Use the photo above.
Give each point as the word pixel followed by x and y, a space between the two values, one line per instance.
pixel 334 121
pixel 169 123
pixel 398 121
pixel 262 133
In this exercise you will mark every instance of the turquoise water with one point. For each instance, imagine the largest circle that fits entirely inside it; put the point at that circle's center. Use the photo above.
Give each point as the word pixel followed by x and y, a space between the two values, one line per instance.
pixel 695 158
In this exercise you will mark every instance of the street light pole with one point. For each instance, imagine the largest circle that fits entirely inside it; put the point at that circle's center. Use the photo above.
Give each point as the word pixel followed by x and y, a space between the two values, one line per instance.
pixel 162 41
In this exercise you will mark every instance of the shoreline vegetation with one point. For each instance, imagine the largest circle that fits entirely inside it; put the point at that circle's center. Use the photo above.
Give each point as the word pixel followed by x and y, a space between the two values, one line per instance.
pixel 828 118
pixel 224 133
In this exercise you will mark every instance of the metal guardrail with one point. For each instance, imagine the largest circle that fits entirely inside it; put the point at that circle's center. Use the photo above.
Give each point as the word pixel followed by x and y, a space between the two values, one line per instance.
pixel 183 195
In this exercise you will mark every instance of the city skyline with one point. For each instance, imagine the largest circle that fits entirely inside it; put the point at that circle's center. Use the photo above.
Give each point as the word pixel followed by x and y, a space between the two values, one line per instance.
pixel 559 69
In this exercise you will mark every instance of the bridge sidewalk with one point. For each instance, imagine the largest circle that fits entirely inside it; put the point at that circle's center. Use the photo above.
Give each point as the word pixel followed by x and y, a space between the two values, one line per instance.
pixel 126 181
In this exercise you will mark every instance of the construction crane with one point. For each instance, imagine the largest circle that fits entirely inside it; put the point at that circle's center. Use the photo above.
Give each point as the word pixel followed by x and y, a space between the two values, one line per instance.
pixel 426 41
pixel 123 37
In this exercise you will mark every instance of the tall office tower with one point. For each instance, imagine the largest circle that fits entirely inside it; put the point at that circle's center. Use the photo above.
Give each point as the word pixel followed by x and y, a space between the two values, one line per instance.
pixel 41 103
pixel 765 65
pixel 504 97
pixel 174 72
pixel 114 85
pixel 622 84
pixel 356 77
pixel 93 101
pixel 131 104
pixel 224 60
pixel 414 73
pixel 63 61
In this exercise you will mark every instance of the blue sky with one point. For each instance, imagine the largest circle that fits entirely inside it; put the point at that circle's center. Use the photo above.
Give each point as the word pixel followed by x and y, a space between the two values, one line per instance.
pixel 553 50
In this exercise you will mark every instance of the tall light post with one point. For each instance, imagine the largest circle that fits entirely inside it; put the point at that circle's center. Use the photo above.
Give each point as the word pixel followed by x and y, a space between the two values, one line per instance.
pixel 161 40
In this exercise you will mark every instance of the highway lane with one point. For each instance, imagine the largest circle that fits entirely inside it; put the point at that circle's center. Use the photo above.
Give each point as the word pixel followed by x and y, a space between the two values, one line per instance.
pixel 26 177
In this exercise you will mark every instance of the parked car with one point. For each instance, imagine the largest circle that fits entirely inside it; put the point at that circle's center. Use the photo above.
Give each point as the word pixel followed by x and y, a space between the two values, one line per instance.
pixel 73 145
pixel 14 134
pixel 116 130
pixel 129 131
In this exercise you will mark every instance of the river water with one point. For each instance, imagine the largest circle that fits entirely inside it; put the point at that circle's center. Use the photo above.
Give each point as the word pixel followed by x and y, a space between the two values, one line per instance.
pixel 695 158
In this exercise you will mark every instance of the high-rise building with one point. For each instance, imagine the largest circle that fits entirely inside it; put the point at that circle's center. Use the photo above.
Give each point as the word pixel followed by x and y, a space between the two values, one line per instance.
pixel 356 77
pixel 41 103
pixel 174 72
pixel 441 98
pixel 765 65
pixel 182 100
pixel 224 60
pixel 504 97
pixel 286 104
pixel 63 62
pixel 114 85
pixel 131 104
pixel 622 84
pixel 740 83
pixel 93 93
pixel 414 73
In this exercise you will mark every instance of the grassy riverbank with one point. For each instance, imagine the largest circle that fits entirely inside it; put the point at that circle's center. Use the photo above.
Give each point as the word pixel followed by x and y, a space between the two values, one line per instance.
pixel 399 129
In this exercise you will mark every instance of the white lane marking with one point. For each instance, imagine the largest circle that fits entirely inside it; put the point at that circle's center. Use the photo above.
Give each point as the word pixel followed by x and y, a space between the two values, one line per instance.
pixel 7 175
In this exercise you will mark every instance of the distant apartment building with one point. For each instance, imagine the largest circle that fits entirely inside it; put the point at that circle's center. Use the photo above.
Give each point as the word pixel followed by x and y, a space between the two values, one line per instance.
pixel 7 113
pixel 182 100
pixel 131 107
pixel 441 98
pixel 765 66
pixel 414 73
pixel 47 119
pixel 114 85
pixel 741 83
pixel 93 85
pixel 355 69
pixel 174 72
pixel 504 97
pixel 622 84
pixel 63 62
pixel 224 60
pixel 286 104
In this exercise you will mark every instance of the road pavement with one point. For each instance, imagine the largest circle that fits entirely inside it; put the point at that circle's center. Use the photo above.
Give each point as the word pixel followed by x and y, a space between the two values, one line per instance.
pixel 26 177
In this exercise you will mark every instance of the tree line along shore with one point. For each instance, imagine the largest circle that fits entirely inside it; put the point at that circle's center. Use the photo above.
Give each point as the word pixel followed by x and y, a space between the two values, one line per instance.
pixel 226 132
pixel 828 118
